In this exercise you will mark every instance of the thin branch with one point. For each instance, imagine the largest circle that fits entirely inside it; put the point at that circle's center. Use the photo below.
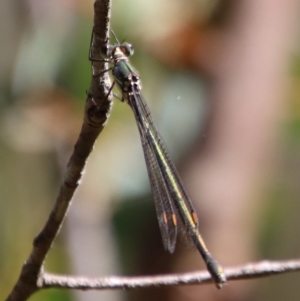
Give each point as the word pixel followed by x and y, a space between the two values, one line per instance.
pixel 96 113
pixel 249 271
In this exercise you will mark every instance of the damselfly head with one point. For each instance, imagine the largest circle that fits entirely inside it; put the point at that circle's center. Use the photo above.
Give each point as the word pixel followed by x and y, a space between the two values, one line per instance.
pixel 127 49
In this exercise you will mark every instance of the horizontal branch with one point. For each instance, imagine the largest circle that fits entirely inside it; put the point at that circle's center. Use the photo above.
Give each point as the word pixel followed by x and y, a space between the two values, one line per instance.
pixel 250 271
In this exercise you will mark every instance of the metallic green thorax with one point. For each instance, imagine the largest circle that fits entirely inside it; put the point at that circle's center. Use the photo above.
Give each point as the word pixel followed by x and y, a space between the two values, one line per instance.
pixel 125 76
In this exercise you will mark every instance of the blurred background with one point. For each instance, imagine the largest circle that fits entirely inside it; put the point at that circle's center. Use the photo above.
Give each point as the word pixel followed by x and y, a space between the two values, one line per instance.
pixel 222 79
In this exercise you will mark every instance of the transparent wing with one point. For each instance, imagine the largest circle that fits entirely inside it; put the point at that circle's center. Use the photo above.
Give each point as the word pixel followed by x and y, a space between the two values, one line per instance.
pixel 174 185
pixel 162 198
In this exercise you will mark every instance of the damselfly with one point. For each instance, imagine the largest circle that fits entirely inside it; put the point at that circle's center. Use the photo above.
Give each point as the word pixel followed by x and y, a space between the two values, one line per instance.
pixel 174 208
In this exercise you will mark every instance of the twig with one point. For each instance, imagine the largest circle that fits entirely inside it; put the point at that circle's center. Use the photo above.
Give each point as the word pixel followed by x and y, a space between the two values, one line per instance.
pixel 96 112
pixel 249 271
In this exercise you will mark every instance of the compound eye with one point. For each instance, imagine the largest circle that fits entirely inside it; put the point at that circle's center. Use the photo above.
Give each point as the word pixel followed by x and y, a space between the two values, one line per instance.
pixel 106 51
pixel 127 49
